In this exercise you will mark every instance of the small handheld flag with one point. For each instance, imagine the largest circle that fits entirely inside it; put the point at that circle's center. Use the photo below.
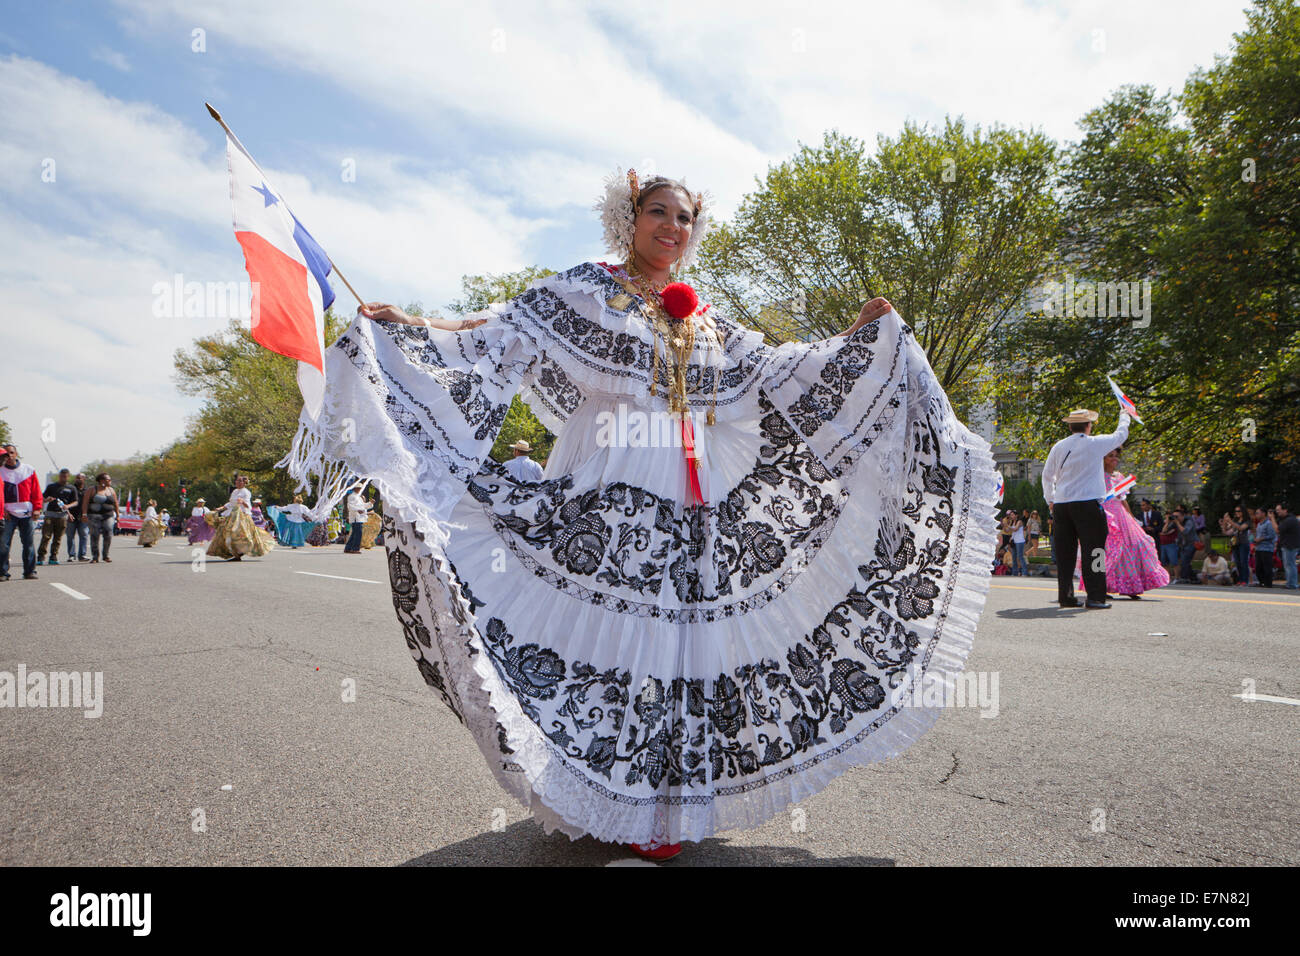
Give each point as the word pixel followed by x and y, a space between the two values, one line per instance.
pixel 1001 486
pixel 1121 489
pixel 1125 403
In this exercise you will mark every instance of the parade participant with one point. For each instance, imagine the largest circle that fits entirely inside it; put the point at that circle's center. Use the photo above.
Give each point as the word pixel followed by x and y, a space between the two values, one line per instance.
pixel 198 527
pixel 662 640
pixel 151 529
pixel 319 535
pixel 521 467
pixel 370 529
pixel 165 519
pixel 358 514
pixel 1132 565
pixel 99 510
pixel 1074 484
pixel 259 516
pixel 235 535
pixel 59 497
pixel 292 522
pixel 22 500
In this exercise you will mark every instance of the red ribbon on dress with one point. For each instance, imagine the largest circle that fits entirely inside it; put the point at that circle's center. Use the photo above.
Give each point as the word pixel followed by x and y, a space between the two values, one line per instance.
pixel 692 462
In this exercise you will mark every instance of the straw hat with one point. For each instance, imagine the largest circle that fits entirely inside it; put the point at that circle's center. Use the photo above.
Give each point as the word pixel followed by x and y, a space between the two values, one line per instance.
pixel 522 445
pixel 1080 415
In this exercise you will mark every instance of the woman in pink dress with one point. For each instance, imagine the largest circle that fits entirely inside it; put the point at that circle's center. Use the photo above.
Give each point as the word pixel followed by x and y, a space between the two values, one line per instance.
pixel 1132 565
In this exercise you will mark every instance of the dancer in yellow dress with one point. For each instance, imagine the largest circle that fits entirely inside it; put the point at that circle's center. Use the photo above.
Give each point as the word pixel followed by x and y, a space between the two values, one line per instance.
pixel 151 529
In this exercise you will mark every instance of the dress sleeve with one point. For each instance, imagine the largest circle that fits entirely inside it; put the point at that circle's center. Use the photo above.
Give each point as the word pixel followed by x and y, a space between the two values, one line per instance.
pixel 844 393
pixel 413 410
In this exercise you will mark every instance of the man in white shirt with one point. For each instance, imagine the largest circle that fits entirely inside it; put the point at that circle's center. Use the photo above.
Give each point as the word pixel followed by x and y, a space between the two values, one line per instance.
pixel 1074 484
pixel 358 512
pixel 521 467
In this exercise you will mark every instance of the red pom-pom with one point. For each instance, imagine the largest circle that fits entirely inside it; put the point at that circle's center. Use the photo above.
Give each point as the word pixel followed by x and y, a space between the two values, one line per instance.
pixel 679 299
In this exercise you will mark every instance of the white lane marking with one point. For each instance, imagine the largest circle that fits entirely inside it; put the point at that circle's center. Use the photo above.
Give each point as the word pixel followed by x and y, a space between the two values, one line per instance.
pixel 338 577
pixel 152 551
pixel 1270 698
pixel 68 591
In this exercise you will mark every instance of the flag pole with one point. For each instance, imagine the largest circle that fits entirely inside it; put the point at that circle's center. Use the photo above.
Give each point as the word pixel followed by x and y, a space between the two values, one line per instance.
pixel 231 133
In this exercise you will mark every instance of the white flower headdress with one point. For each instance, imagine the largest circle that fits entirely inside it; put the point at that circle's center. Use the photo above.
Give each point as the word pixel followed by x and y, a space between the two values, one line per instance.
pixel 618 215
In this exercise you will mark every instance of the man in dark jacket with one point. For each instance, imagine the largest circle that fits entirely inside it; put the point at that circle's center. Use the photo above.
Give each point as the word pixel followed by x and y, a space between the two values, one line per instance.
pixel 1152 520
pixel 78 533
pixel 59 498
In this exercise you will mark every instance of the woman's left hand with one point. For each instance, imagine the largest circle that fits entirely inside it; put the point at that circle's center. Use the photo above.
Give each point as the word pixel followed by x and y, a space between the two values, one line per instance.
pixel 870 313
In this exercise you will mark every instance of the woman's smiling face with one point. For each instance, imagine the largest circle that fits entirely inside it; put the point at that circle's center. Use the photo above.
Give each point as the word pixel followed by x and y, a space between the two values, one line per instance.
pixel 663 228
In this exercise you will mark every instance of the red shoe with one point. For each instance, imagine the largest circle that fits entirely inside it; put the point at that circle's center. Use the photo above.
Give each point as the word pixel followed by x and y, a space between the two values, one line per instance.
pixel 655 851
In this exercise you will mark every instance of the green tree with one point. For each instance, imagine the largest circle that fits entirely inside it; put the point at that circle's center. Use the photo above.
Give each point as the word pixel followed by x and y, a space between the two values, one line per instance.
pixel 481 291
pixel 1200 194
pixel 478 292
pixel 250 411
pixel 951 225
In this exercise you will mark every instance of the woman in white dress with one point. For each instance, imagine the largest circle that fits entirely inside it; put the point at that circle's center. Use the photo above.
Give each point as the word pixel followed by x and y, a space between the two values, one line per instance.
pixel 151 529
pixel 293 522
pixel 235 535
pixel 742 563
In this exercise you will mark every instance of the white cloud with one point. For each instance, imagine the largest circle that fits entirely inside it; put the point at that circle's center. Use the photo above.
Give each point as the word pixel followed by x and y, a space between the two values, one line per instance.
pixel 139 197
pixel 113 58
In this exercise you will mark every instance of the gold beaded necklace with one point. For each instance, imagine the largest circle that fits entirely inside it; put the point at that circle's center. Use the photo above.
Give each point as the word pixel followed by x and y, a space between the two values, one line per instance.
pixel 678 336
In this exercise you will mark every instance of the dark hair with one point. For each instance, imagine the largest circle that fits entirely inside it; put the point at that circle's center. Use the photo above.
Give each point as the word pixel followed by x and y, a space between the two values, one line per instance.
pixel 1076 427
pixel 1117 451
pixel 655 183
pixel 101 476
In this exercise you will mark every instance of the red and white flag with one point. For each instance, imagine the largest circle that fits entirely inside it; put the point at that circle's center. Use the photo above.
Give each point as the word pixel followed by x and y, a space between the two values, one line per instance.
pixel 289 272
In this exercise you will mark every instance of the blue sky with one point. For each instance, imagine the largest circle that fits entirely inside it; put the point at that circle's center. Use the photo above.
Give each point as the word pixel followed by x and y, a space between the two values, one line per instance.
pixel 479 134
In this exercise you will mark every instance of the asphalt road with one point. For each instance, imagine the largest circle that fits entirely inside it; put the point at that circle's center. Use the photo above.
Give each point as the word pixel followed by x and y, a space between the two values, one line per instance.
pixel 1118 738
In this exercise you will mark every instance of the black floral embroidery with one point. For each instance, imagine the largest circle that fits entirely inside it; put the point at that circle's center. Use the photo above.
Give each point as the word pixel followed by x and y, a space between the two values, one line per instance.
pixel 823 401
pixel 764 530
pixel 405 587
pixel 830 687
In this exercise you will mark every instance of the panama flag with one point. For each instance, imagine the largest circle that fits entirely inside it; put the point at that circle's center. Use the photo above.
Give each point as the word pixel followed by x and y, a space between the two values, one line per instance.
pixel 288 270
pixel 1125 404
